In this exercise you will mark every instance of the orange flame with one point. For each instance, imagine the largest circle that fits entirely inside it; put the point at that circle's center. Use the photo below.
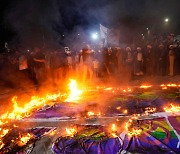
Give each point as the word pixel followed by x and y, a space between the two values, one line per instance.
pixel 22 112
pixel 90 113
pixel 131 130
pixel 75 93
pixel 145 86
pixel 113 130
pixel 125 111
pixel 24 139
pixel 172 85
pixel 172 108
pixel 71 132
pixel 108 89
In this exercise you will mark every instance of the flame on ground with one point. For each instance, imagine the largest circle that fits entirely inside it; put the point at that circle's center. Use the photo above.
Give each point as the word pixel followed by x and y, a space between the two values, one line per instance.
pixel 24 139
pixel 145 86
pixel 25 111
pixel 132 131
pixel 90 113
pixel 75 93
pixel 113 130
pixel 172 108
pixel 71 132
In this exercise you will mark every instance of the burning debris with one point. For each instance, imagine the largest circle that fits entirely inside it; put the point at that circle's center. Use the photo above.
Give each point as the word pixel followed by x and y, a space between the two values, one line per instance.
pixel 172 108
pixel 144 102
pixel 20 140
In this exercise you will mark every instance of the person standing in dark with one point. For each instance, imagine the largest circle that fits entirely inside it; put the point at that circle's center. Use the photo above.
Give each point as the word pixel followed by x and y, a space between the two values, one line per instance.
pixel 129 62
pixel 162 60
pixel 87 57
pixel 110 62
pixel 39 64
pixel 171 60
pixel 139 59
pixel 149 55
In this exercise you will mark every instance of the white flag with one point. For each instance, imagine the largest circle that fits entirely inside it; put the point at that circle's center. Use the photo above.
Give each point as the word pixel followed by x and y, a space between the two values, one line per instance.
pixel 109 36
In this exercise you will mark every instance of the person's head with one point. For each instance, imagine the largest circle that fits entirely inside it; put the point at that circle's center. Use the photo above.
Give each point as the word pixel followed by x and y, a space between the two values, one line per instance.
pixel 149 46
pixel 161 46
pixel 36 49
pixel 138 49
pixel 128 49
pixel 109 50
pixel 171 47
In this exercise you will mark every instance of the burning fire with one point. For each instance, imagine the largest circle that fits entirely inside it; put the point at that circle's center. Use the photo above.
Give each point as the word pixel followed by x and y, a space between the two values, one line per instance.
pixel 22 112
pixel 172 108
pixel 132 131
pixel 108 89
pixel 113 130
pixel 149 110
pixel 145 86
pixel 24 139
pixel 71 132
pixel 172 85
pixel 90 113
pixel 125 111
pixel 75 93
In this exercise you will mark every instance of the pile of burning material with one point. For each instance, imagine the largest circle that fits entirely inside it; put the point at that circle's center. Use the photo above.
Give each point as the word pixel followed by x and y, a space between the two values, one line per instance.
pixel 86 139
pixel 156 135
pixel 19 140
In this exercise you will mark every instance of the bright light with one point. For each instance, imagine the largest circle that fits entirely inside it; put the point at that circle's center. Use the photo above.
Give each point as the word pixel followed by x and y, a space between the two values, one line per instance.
pixel 94 36
pixel 166 20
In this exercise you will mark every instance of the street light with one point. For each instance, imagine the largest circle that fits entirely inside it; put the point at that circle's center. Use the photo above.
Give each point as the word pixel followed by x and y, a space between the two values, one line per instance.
pixel 166 20
pixel 94 36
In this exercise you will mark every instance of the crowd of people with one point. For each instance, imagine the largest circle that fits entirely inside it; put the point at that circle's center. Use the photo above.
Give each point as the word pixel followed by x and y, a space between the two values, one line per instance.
pixel 151 59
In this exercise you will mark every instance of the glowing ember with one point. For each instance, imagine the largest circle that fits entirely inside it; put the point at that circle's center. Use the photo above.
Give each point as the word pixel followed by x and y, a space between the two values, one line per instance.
pixel 145 86
pixel 75 93
pixel 71 132
pixel 172 85
pixel 113 128
pixel 172 108
pixel 125 111
pixel 24 139
pixel 162 85
pixel 118 108
pixel 164 88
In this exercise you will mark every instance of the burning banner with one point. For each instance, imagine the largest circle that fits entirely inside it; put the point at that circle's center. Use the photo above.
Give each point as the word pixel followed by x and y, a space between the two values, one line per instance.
pixel 152 135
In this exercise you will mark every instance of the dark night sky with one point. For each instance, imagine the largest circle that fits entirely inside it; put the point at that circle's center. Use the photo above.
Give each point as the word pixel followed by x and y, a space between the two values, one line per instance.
pixel 30 21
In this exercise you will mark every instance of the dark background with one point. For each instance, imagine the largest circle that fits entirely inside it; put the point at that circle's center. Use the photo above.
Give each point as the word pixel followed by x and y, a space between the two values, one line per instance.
pixel 47 22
